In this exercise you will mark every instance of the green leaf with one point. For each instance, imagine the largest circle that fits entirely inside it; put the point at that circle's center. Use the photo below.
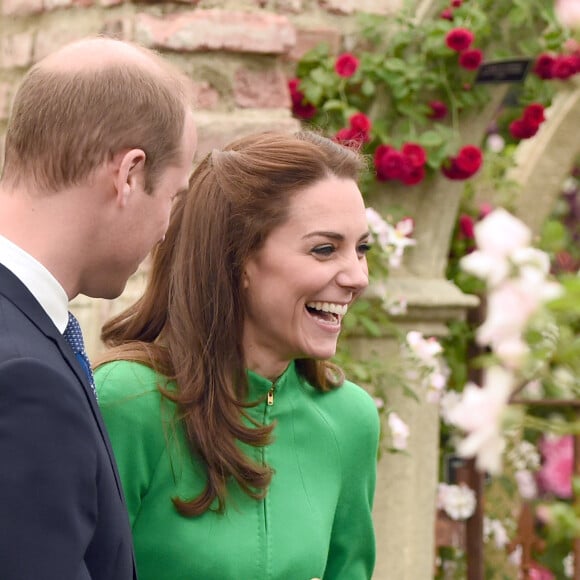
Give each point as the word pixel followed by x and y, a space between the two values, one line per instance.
pixel 368 88
pixel 334 105
pixel 431 139
pixel 554 236
pixel 324 77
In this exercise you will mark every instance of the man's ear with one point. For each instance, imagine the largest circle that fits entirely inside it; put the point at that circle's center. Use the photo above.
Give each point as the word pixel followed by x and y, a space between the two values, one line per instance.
pixel 131 173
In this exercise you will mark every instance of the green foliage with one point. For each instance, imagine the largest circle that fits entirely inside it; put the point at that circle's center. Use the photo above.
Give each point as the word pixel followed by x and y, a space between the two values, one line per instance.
pixel 405 64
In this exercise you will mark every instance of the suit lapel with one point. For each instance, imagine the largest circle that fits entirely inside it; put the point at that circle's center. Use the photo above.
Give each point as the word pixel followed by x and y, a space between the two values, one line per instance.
pixel 13 289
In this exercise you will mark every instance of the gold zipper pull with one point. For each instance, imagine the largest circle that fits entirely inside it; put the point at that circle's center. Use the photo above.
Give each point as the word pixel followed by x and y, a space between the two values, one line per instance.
pixel 270 397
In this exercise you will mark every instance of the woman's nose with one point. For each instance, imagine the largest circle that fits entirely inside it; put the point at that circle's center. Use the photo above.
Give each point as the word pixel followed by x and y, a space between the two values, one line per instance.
pixel 354 273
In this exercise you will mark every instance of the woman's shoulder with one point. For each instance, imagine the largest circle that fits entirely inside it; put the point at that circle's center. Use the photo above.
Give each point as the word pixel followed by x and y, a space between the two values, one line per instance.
pixel 350 409
pixel 350 397
pixel 125 380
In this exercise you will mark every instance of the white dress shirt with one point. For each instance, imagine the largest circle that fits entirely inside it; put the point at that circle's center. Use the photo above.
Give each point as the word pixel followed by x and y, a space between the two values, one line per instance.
pixel 39 281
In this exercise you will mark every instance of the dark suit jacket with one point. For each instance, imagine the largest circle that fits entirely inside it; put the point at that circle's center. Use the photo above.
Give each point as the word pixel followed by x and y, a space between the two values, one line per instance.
pixel 62 513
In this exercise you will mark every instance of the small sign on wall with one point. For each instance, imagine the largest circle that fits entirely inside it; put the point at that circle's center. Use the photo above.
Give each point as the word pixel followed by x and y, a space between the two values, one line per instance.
pixel 503 71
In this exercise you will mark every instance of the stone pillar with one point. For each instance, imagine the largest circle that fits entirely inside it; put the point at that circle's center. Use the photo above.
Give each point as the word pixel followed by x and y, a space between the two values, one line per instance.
pixel 544 162
pixel 404 511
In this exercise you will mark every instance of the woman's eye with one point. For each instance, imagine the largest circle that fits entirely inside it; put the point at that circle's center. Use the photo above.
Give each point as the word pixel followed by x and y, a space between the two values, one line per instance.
pixel 364 248
pixel 324 251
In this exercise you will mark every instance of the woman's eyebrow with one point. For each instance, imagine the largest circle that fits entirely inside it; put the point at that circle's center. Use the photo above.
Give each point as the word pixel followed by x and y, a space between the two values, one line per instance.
pixel 331 235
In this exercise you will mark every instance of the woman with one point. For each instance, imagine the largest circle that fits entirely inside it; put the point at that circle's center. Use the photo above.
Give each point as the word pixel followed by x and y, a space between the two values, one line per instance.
pixel 243 454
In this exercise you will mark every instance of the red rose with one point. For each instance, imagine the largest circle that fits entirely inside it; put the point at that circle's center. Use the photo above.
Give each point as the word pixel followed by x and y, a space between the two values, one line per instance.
pixel 304 110
pixel 469 159
pixel 438 109
pixel 459 39
pixel 344 135
pixel 544 65
pixel 346 65
pixel 301 108
pixel 470 59
pixel 360 122
pixel 293 85
pixel 519 129
pixel 415 153
pixel 456 3
pixel 464 165
pixel 564 67
pixel 534 114
pixel 389 163
pixel 360 125
pixel 446 14
pixel 413 175
pixel 451 170
pixel 466 226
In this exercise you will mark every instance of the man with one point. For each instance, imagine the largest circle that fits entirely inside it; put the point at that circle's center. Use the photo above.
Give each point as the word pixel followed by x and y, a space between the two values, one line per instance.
pixel 99 142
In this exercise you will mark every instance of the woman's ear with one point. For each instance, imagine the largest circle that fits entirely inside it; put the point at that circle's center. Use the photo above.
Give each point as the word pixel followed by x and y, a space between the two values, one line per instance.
pixel 130 174
pixel 245 280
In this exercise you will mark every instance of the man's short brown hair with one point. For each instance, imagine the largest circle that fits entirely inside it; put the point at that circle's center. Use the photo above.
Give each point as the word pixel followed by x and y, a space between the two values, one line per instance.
pixel 65 122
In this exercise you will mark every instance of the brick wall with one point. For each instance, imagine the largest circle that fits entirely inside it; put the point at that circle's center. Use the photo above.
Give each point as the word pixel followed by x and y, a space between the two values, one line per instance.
pixel 238 53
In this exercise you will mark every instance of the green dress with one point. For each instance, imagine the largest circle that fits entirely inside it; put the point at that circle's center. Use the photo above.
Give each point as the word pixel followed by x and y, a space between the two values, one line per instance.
pixel 315 521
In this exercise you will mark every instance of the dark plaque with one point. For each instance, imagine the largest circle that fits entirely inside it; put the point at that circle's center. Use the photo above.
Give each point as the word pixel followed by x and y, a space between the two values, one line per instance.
pixel 503 71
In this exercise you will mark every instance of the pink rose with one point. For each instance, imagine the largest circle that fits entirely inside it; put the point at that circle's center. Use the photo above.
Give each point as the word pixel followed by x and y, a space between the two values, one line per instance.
pixel 538 572
pixel 555 475
pixel 568 13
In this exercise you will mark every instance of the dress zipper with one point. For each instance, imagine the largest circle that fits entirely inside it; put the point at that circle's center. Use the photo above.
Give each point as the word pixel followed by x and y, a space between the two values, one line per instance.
pixel 270 397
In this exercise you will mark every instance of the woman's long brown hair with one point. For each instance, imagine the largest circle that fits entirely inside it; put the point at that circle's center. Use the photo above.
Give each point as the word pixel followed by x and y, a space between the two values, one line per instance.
pixel 188 324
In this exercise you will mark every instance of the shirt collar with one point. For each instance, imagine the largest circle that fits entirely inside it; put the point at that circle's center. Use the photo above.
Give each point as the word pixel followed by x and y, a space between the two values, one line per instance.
pixel 39 281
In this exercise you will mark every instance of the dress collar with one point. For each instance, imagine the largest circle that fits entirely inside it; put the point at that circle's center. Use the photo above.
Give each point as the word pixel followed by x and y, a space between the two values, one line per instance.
pixel 259 385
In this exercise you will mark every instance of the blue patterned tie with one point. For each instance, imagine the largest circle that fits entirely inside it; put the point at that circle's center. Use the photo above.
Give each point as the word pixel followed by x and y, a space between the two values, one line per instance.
pixel 74 336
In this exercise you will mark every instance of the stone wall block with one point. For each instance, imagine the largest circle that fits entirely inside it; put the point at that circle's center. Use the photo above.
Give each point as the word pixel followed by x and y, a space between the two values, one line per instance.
pixel 214 130
pixel 50 39
pixel 289 6
pixel 261 89
pixel 205 96
pixel 21 7
pixel 120 28
pixel 347 7
pixel 56 4
pixel 16 50
pixel 309 38
pixel 205 30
